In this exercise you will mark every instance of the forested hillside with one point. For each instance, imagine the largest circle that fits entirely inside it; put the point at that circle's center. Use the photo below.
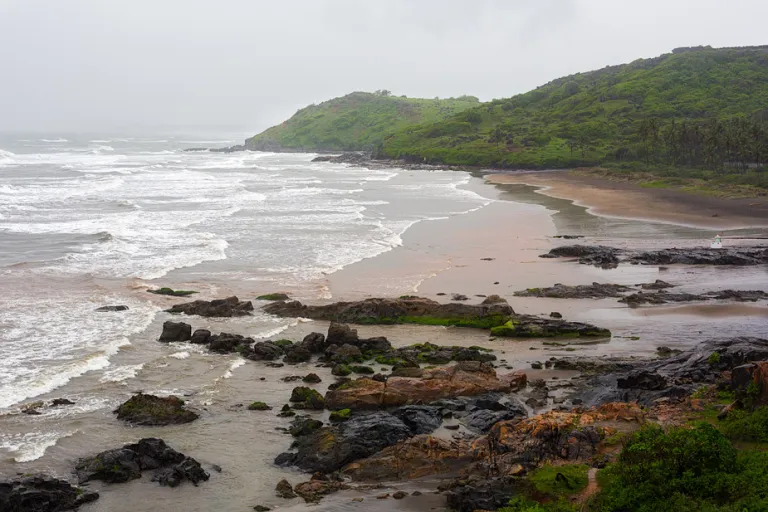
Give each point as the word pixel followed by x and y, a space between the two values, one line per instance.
pixel 697 107
pixel 357 121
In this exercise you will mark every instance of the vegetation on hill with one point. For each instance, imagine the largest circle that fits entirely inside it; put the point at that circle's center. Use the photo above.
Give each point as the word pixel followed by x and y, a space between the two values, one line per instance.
pixel 355 122
pixel 695 108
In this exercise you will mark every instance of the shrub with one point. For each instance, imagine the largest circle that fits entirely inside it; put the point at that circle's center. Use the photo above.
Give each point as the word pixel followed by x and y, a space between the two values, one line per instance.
pixel 743 425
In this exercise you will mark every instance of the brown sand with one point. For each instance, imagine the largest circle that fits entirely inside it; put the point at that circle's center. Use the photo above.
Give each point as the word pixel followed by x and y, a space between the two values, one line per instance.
pixel 627 200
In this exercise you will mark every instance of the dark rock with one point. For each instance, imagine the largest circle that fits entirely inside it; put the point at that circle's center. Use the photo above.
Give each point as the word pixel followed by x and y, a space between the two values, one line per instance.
pixel 341 334
pixel 127 463
pixel 399 371
pixel 491 494
pixel 420 419
pixel 261 508
pixel 61 401
pixel 459 297
pixel 473 354
pixel 555 314
pixel 307 398
pixel 259 406
pixel 598 255
pixel 297 354
pixel 284 490
pixel 273 296
pixel 312 378
pixel 201 337
pixel 176 331
pixel 642 379
pixel 143 409
pixel 399 495
pixel 561 291
pixel 341 370
pixel 226 343
pixel 656 285
pixel 331 448
pixel 662 297
pixel 314 342
pixel 704 256
pixel 229 307
pixel 42 493
pixel 345 354
pixel 265 351
pixel 104 309
pixel 528 326
pixel 373 311
pixel 303 426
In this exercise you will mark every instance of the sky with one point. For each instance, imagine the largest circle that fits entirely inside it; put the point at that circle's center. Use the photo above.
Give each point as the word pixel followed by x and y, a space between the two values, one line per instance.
pixel 243 65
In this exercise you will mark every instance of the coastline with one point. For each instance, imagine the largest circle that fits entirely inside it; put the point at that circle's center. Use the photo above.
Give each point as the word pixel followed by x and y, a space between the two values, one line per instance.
pixel 628 201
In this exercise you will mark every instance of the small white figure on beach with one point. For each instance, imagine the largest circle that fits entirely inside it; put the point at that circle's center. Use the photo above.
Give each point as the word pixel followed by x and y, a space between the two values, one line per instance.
pixel 717 243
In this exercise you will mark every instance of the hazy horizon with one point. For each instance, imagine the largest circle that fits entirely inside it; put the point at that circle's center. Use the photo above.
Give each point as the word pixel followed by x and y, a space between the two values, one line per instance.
pixel 241 66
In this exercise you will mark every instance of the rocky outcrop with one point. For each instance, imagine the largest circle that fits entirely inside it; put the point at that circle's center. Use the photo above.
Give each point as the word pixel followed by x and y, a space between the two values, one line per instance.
pixel 331 448
pixel 656 285
pixel 527 326
pixel 417 457
pixel 42 493
pixel 663 297
pixel 176 331
pixel 703 256
pixel 108 309
pixel 143 409
pixel 603 256
pixel 393 311
pixel 171 468
pixel 561 291
pixel 229 307
pixel 750 382
pixel 598 255
pixel 488 494
pixel 464 379
pixel 674 377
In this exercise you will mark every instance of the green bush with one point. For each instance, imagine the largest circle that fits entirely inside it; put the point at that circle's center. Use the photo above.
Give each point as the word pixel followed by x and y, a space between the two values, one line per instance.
pixel 683 469
pixel 741 425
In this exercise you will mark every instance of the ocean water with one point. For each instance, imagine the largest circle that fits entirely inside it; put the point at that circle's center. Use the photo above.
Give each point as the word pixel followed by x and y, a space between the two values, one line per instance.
pixel 93 221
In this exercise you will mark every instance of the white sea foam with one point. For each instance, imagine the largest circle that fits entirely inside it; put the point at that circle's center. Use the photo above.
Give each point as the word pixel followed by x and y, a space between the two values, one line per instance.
pixel 31 445
pixel 59 140
pixel 121 373
pixel 180 355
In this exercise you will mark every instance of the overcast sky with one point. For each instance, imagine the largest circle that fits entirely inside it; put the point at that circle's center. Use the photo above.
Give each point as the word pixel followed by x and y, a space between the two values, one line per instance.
pixel 117 64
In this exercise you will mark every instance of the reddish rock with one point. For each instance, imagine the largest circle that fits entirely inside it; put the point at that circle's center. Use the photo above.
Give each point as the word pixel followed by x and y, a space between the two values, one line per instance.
pixel 467 378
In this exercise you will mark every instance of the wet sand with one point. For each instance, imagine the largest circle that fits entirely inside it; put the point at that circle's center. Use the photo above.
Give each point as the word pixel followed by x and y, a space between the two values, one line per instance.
pixel 440 256
pixel 626 200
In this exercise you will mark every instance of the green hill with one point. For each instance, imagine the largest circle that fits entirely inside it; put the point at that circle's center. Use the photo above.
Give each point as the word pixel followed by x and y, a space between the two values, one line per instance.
pixel 357 121
pixel 695 107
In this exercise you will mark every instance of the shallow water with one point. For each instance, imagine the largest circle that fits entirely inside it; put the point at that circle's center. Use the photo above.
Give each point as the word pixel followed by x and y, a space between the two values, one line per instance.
pixel 82 226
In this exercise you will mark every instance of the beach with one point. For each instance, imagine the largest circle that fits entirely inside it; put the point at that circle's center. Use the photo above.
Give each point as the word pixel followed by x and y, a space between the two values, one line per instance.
pixel 468 237
pixel 626 200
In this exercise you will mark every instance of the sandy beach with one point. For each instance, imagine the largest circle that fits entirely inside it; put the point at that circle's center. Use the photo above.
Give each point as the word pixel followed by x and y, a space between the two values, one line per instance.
pixel 629 201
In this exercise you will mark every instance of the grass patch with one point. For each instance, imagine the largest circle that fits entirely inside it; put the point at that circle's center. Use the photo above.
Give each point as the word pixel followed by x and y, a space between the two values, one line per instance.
pixel 559 481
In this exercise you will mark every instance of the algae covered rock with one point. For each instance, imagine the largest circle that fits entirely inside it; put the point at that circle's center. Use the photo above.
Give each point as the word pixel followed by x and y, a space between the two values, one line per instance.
pixel 526 326
pixel 273 296
pixel 259 406
pixel 143 409
pixel 307 398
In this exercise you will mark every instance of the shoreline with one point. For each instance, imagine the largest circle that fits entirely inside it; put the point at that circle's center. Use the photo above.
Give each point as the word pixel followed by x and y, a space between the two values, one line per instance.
pixel 624 200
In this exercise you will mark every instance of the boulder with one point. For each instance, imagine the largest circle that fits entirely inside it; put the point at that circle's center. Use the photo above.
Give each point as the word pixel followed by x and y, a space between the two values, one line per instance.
pixel 107 309
pixel 467 378
pixel 265 351
pixel 420 419
pixel 297 354
pixel 303 426
pixel 126 463
pixel 226 343
pixel 201 337
pixel 314 490
pixel 42 493
pixel 393 311
pixel 314 342
pixel 750 382
pixel 340 334
pixel 142 409
pixel 527 326
pixel 561 291
pixel 307 398
pixel 489 494
pixel 331 448
pixel 413 458
pixel 598 255
pixel 229 307
pixel 284 490
pixel 311 378
pixel 344 354
pixel 176 331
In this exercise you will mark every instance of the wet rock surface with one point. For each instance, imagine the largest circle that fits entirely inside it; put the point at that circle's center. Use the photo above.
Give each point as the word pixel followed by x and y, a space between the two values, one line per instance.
pixel 229 307
pixel 601 255
pixel 143 409
pixel 675 376
pixel 42 493
pixel 171 468
pixel 561 291
pixel 663 297
pixel 383 311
